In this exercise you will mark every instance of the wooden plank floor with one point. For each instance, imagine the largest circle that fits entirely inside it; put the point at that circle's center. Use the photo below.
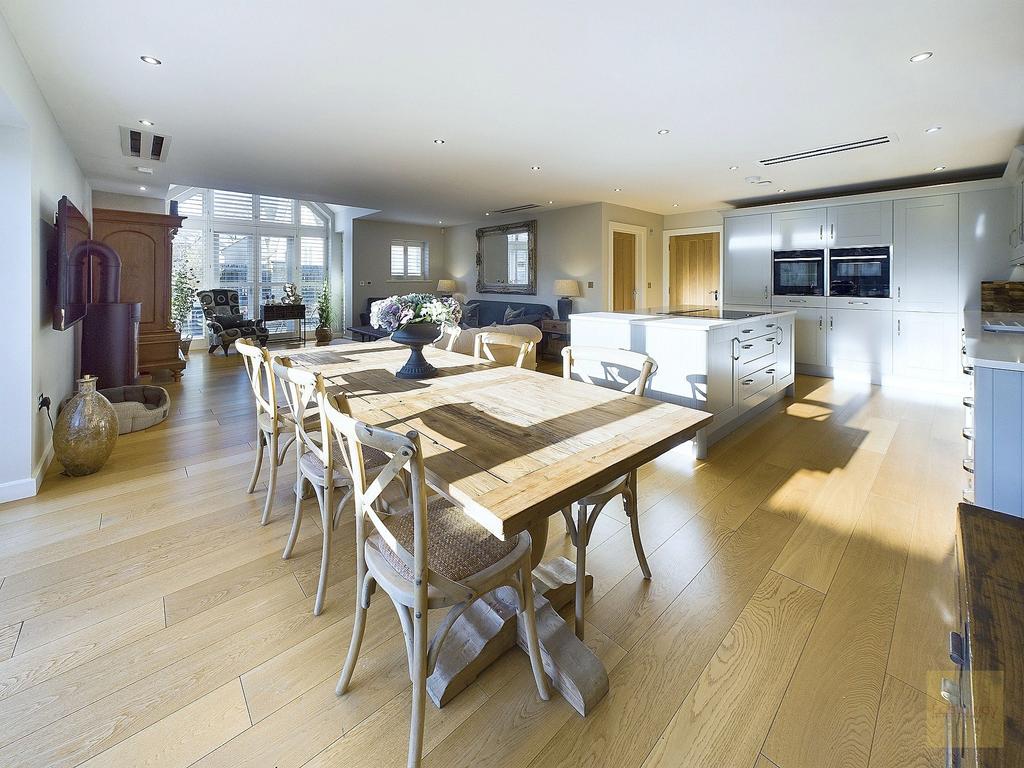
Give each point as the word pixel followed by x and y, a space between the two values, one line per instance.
pixel 803 590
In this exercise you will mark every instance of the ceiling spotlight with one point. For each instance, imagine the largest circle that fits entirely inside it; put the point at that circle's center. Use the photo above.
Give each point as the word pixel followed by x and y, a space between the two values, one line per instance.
pixel 939 168
pixel 144 169
pixel 440 221
pixel 146 123
pixel 921 56
pixel 142 189
pixel 664 131
pixel 439 141
pixel 551 202
pixel 151 60
pixel 534 167
pixel 782 190
pixel 733 167
pixel 675 205
pixel 487 213
pixel 617 189
pixel 933 129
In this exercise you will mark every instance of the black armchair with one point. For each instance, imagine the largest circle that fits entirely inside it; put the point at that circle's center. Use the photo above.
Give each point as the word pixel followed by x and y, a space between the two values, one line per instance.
pixel 225 321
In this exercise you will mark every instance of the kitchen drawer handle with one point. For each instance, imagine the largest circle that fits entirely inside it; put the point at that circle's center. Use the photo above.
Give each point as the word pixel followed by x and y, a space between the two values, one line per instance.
pixel 968 402
pixel 735 352
pixel 746 346
pixel 957 650
pixel 747 382
pixel 770 370
pixel 769 325
pixel 968 433
pixel 747 330
pixel 797 301
pixel 969 466
pixel 856 302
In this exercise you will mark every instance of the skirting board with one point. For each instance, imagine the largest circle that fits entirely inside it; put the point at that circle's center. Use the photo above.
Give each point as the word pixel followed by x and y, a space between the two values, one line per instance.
pixel 28 486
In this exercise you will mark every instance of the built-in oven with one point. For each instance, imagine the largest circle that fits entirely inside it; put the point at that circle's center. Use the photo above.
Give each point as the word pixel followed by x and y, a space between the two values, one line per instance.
pixel 798 273
pixel 860 272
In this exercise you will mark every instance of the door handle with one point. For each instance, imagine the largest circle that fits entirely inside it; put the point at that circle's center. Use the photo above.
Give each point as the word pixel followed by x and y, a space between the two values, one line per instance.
pixel 821 232
pixel 832 231
pixel 831 322
pixel 821 322
pixel 766 293
pixel 899 292
pixel 898 326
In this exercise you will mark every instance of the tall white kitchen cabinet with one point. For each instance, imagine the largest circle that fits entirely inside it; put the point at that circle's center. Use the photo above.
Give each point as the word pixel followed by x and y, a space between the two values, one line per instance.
pixel 748 260
pixel 811 336
pixel 926 345
pixel 860 342
pixel 859 225
pixel 798 230
pixel 925 254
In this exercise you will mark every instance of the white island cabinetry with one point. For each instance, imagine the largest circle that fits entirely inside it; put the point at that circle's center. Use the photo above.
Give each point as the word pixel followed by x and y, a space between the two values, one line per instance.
pixel 731 368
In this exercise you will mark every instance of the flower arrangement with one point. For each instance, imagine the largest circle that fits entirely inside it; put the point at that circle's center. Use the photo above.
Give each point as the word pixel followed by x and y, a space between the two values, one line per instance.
pixel 395 312
pixel 184 284
pixel 323 306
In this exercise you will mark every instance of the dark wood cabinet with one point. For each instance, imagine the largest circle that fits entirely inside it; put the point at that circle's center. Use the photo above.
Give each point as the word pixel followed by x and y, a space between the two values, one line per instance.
pixel 143 241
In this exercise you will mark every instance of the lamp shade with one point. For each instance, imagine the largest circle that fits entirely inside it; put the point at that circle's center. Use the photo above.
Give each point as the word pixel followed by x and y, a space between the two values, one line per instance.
pixel 568 288
pixel 447 286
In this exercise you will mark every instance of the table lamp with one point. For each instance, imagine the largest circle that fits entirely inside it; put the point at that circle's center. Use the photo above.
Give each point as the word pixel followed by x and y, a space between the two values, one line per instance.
pixel 447 287
pixel 567 290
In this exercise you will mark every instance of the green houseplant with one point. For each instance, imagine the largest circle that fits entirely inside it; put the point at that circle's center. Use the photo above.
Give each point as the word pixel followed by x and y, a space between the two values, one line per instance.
pixel 184 284
pixel 324 334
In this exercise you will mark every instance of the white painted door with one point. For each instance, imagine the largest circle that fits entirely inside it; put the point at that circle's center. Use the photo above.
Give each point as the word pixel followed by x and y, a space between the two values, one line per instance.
pixel 925 254
pixel 860 340
pixel 854 226
pixel 926 345
pixel 798 230
pixel 810 336
pixel 748 260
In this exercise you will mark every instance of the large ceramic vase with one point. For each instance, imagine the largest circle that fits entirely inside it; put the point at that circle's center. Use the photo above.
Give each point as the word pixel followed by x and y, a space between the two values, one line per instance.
pixel 85 431
pixel 416 336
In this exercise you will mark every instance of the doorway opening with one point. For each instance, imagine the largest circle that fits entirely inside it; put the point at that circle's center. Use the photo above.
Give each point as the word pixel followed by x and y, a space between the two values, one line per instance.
pixel 692 267
pixel 627 255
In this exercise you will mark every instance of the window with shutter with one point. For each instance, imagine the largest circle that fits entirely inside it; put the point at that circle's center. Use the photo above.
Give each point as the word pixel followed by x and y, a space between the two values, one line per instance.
pixel 254 244
pixel 409 260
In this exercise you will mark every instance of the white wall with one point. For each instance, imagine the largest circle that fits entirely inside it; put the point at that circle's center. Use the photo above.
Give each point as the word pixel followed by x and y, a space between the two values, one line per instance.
pixel 42 168
pixel 569 245
pixel 693 219
pixel 371 260
pixel 117 201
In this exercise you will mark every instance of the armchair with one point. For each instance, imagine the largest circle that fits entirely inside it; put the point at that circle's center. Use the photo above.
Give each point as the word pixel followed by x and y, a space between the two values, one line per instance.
pixel 225 321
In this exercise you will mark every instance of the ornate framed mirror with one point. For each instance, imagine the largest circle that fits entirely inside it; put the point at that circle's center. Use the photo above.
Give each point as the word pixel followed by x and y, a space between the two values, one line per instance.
pixel 506 258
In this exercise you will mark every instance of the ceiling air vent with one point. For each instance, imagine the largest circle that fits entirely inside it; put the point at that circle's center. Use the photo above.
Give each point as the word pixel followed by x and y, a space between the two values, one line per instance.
pixel 832 150
pixel 517 208
pixel 144 145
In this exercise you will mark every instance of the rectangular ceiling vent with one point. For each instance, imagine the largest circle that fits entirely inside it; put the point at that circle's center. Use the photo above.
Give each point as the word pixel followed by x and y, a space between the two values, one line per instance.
pixel 517 208
pixel 144 145
pixel 832 150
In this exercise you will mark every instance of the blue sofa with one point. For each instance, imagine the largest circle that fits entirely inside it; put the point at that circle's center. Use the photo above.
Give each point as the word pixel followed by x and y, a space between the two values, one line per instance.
pixel 492 312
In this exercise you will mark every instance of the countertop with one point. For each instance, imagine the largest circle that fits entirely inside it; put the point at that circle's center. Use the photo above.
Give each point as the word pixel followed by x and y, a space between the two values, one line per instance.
pixel 993 350
pixel 686 322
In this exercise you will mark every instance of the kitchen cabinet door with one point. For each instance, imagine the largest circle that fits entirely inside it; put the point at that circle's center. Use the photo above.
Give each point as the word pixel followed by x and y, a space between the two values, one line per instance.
pixel 925 254
pixel 810 336
pixel 926 345
pixel 860 341
pixel 721 385
pixel 785 340
pixel 798 230
pixel 854 226
pixel 748 260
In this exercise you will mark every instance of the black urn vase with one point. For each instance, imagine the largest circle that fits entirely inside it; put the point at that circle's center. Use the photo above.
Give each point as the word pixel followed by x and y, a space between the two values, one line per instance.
pixel 416 336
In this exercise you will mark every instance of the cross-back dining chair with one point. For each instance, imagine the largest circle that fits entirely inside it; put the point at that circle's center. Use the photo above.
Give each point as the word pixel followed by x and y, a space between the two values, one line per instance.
pixel 627 372
pixel 273 423
pixel 426 556
pixel 483 343
pixel 449 335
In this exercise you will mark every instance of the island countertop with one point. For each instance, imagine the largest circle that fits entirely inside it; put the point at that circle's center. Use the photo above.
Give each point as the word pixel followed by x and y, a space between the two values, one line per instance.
pixel 687 318
pixel 1004 350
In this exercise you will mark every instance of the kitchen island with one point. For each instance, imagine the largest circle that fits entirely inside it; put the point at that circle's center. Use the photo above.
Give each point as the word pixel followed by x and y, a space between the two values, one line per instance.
pixel 730 364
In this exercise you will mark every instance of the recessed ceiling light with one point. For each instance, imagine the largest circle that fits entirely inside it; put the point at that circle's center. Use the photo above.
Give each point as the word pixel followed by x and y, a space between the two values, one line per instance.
pixel 551 202
pixel 487 213
pixel 143 169
pixel 939 168
pixel 664 131
pixel 142 189
pixel 782 190
pixel 733 167
pixel 146 123
pixel 675 205
pixel 151 60
pixel 921 56
pixel 933 129
pixel 439 141
pixel 534 167
pixel 617 189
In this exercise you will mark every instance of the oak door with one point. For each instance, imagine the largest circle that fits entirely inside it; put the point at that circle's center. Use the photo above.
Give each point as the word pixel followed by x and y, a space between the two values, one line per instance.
pixel 623 271
pixel 694 270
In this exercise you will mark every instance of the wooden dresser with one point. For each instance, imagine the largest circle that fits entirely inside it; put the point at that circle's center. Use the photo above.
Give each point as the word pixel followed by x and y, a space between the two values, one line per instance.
pixel 985 728
pixel 143 241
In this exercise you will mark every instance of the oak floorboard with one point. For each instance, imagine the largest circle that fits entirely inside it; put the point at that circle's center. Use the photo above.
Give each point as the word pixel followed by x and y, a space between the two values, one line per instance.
pixel 827 716
pixel 905 715
pixel 8 639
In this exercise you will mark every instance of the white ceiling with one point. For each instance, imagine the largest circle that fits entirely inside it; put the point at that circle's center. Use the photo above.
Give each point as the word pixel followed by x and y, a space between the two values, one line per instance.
pixel 341 101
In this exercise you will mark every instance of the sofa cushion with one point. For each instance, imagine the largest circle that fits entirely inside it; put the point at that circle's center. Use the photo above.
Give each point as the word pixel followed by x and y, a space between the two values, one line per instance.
pixel 232 321
pixel 471 315
pixel 521 316
pixel 493 312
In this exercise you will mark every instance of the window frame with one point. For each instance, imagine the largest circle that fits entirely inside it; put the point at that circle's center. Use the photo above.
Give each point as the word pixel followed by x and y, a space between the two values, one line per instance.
pixel 405 277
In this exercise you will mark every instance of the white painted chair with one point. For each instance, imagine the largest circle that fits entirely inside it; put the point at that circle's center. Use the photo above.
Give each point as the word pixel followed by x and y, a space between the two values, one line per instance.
pixel 483 343
pixel 272 421
pixel 449 335
pixel 430 555
pixel 628 372
pixel 315 462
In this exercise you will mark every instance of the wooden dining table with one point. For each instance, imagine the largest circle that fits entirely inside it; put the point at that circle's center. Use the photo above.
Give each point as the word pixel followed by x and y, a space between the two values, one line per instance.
pixel 511 447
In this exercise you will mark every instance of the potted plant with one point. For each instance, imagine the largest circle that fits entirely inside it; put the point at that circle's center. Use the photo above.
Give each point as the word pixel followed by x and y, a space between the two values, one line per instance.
pixel 324 334
pixel 415 319
pixel 183 292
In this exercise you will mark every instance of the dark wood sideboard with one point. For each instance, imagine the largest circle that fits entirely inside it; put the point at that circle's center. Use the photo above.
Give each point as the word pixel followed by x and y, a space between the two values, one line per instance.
pixel 143 241
pixel 986 723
